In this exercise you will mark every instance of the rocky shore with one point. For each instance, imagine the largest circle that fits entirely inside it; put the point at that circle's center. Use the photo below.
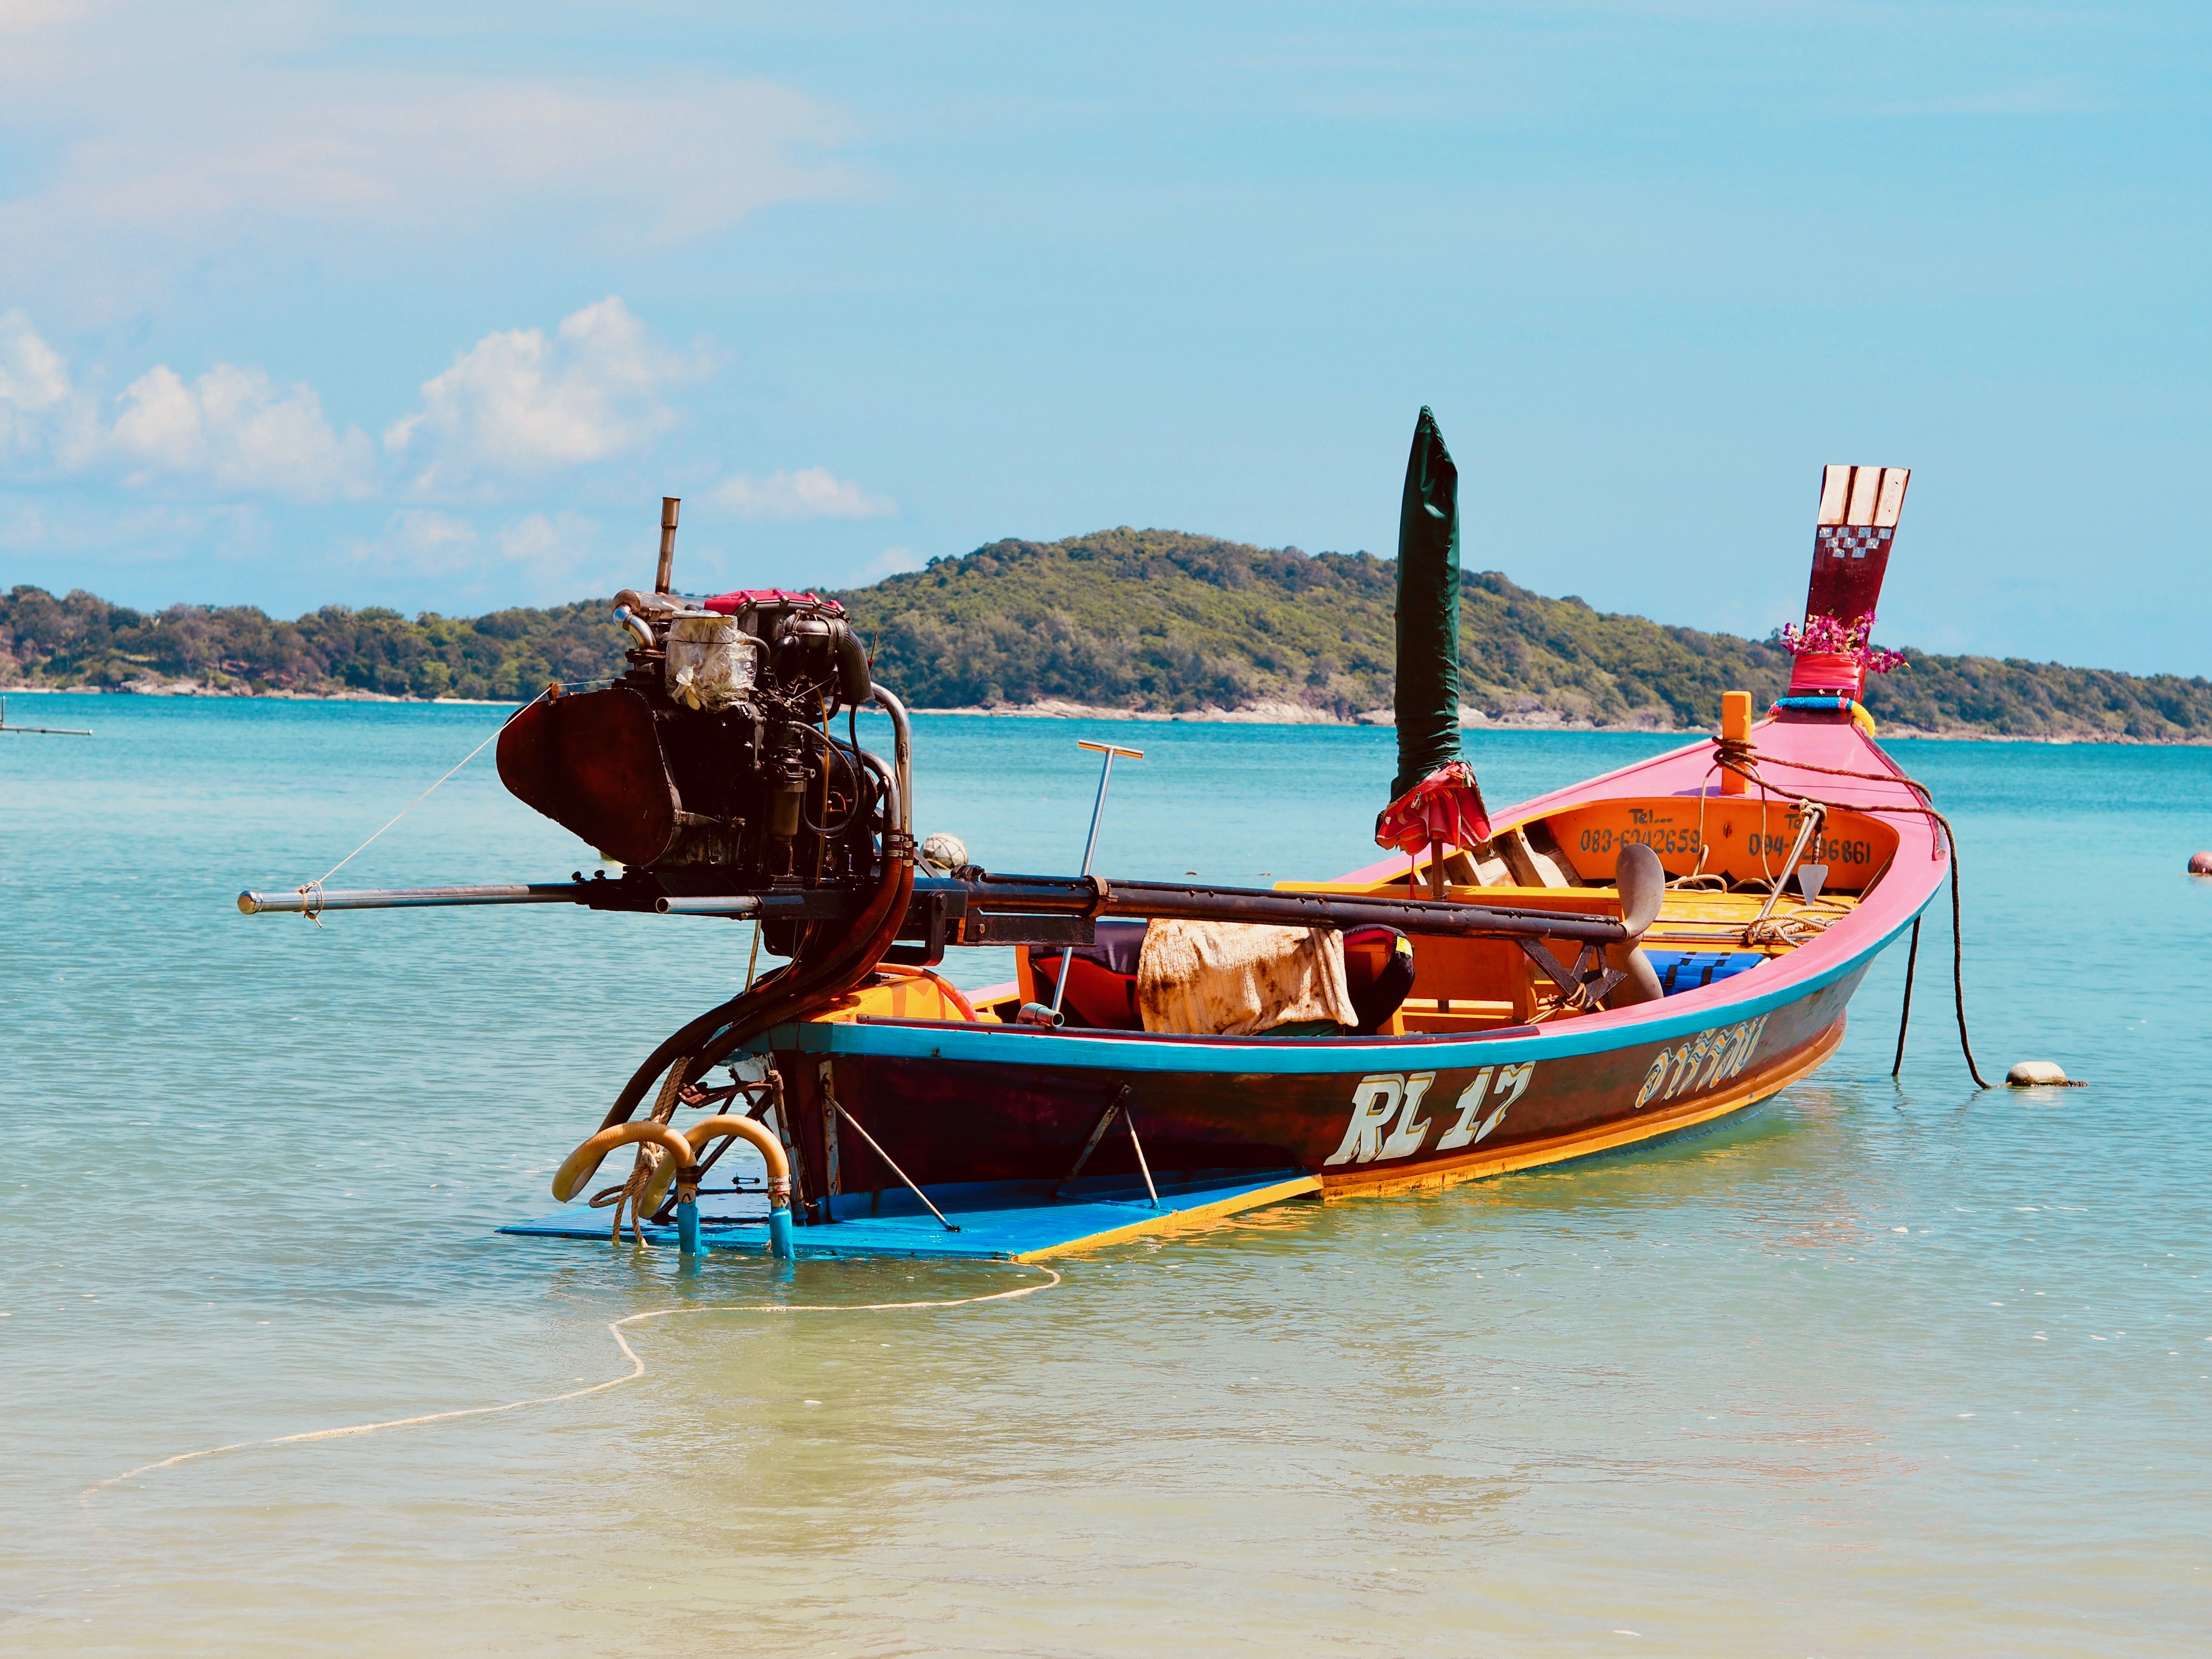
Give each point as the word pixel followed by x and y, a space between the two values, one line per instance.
pixel 1534 718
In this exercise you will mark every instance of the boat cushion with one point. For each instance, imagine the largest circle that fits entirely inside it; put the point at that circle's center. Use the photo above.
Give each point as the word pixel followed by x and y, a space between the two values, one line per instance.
pixel 1102 976
pixel 1378 969
pixel 1691 970
pixel 1235 979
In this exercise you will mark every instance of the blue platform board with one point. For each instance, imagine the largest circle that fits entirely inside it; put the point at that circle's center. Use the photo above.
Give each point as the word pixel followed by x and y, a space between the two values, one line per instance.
pixel 998 1221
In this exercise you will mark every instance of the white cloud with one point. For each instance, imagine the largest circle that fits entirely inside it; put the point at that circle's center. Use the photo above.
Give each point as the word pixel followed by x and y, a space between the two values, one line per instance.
pixel 421 542
pixel 33 376
pixel 560 550
pixel 23 16
pixel 181 134
pixel 519 402
pixel 76 531
pixel 237 429
pixel 891 561
pixel 233 430
pixel 812 492
pixel 34 387
pixel 541 557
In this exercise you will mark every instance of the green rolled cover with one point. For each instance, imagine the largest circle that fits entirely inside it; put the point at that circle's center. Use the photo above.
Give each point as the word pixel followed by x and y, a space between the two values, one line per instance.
pixel 1427 698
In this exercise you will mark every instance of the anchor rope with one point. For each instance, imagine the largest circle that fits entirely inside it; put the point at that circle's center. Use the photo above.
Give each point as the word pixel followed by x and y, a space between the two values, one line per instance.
pixel 1905 1014
pixel 615 1327
pixel 1744 760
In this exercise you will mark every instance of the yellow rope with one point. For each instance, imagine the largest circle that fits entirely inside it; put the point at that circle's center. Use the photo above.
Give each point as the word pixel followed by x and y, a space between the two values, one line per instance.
pixel 614 1329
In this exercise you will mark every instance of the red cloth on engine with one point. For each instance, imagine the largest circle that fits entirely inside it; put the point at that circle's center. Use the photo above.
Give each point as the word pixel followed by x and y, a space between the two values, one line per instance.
pixel 1444 806
pixel 729 605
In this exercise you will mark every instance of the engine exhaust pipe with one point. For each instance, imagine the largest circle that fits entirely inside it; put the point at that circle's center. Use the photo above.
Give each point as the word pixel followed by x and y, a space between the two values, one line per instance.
pixel 662 583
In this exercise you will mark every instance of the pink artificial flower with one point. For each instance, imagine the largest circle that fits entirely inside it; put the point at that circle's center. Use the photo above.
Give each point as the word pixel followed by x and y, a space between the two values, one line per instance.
pixel 1827 636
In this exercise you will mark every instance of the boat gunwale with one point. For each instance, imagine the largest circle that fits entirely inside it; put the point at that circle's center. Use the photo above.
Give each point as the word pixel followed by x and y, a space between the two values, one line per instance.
pixel 1883 912
pixel 956 1041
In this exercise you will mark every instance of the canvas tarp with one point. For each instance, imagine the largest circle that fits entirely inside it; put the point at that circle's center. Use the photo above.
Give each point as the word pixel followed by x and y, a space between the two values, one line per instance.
pixel 1233 979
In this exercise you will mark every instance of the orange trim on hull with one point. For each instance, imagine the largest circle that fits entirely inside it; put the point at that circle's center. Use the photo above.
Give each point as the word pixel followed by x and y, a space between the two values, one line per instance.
pixel 1175 1221
pixel 1531 1155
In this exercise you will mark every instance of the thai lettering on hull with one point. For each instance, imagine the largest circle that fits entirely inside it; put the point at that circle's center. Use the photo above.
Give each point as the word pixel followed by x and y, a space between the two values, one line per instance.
pixel 1388 1120
pixel 1696 1063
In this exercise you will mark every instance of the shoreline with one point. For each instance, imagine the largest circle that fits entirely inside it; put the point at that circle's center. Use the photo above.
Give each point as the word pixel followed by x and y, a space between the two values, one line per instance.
pixel 1260 714
pixel 1477 721
pixel 195 689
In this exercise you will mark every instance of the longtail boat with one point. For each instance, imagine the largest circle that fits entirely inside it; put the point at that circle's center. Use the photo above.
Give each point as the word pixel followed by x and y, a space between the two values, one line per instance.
pixel 1630 958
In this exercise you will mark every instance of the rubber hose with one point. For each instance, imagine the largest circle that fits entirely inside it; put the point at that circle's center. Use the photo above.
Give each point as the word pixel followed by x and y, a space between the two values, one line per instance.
pixel 682 1041
pixel 838 976
pixel 797 986
pixel 855 966
pixel 775 999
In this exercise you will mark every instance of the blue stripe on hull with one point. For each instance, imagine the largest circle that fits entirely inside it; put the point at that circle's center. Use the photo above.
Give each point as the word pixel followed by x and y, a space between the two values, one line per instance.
pixel 1125 1052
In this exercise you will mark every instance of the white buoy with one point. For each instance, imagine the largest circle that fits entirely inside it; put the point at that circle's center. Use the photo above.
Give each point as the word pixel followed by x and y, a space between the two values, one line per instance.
pixel 2030 1073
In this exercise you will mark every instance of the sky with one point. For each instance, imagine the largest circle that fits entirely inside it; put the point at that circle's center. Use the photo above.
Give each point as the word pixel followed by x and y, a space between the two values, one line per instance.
pixel 427 306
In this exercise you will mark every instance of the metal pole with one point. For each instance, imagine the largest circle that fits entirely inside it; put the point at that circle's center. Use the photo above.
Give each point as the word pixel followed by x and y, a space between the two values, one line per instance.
pixel 736 905
pixel 1065 895
pixel 1013 896
pixel 1815 815
pixel 41 731
pixel 901 752
pixel 1097 1133
pixel 1129 1122
pixel 311 903
pixel 1091 843
pixel 838 1107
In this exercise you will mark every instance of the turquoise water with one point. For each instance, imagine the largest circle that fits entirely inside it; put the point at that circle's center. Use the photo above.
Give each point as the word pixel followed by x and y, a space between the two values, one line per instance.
pixel 1882 1370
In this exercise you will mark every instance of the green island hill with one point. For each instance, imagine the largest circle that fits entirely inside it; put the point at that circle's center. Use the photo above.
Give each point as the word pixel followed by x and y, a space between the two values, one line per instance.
pixel 1150 622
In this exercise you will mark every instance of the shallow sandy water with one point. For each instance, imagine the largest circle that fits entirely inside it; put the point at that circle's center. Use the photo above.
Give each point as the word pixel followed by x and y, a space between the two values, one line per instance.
pixel 1879 1370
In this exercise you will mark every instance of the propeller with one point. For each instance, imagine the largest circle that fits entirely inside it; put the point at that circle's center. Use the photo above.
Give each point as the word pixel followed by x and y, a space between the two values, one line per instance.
pixel 1641 880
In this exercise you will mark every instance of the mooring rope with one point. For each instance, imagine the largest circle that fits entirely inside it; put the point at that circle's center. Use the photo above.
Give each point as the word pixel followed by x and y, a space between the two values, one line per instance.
pixel 1743 760
pixel 1905 1014
pixel 614 1329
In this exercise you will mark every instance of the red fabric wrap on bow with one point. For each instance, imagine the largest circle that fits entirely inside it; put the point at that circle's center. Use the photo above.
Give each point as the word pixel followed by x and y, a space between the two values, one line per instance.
pixel 1444 806
pixel 1827 670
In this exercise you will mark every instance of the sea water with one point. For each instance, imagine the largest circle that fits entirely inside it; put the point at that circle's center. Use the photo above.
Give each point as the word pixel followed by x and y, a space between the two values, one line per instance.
pixel 1887 1368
